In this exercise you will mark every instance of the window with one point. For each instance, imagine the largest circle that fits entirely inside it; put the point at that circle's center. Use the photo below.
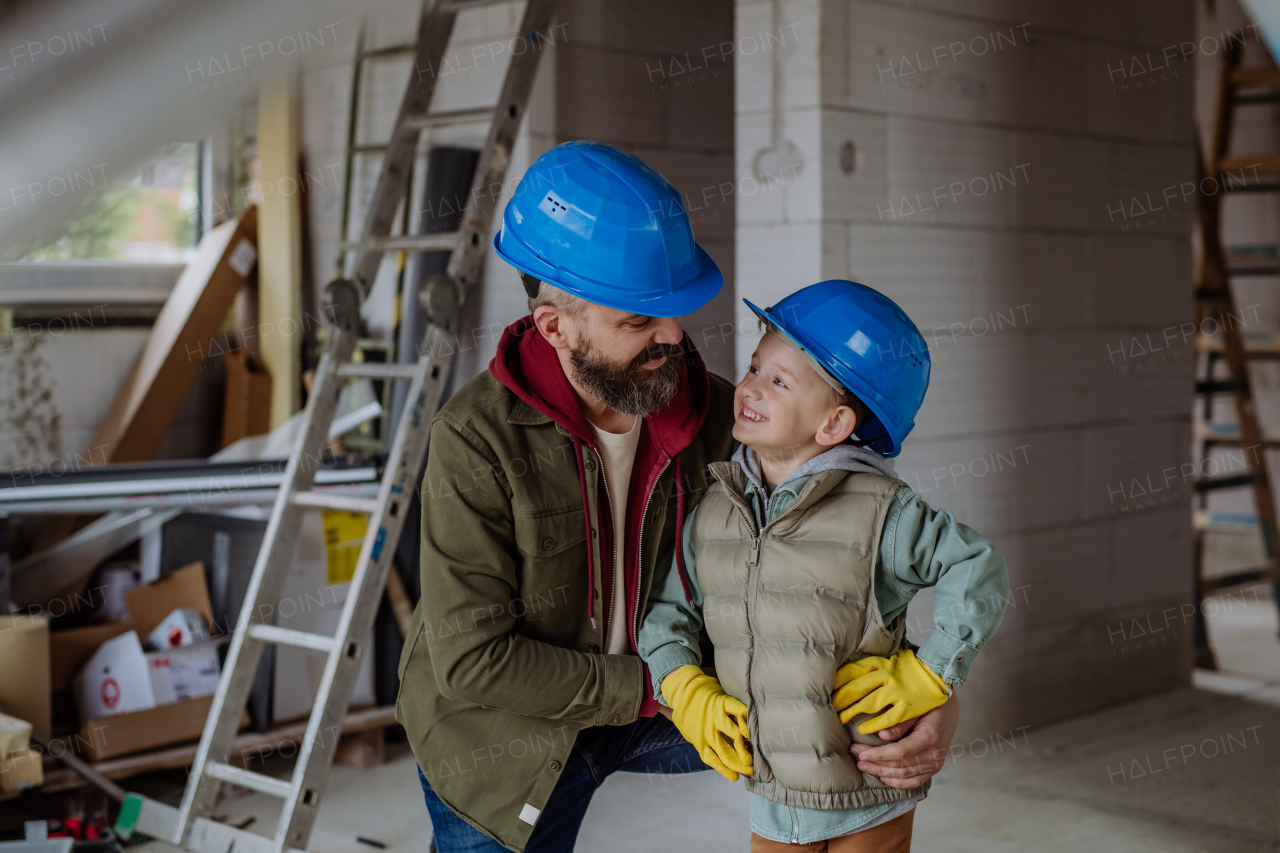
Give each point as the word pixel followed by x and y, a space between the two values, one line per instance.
pixel 153 217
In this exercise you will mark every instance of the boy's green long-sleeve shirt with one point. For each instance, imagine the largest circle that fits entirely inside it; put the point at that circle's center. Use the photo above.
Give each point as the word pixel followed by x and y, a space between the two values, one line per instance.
pixel 919 547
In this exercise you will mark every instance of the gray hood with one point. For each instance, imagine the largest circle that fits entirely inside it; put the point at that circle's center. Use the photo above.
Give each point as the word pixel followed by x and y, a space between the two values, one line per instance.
pixel 842 457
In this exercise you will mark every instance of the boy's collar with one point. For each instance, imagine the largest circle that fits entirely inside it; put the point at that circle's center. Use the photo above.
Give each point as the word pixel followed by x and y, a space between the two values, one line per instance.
pixel 842 457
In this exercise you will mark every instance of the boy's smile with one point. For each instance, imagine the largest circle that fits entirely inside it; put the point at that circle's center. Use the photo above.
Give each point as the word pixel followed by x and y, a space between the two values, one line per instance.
pixel 785 411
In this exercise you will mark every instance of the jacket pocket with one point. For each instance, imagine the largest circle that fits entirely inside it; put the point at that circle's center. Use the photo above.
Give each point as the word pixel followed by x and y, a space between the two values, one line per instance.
pixel 547 533
pixel 553 546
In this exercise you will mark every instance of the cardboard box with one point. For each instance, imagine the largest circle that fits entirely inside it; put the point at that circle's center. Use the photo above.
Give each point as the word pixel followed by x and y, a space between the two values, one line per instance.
pixel 148 400
pixel 188 672
pixel 20 770
pixel 15 735
pixel 183 627
pixel 70 650
pixel 151 603
pixel 247 407
pixel 115 681
pixel 165 725
pixel 24 669
pixel 122 734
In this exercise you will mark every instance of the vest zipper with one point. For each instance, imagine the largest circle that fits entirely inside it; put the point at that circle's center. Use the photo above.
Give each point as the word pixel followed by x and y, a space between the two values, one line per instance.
pixel 635 616
pixel 795 825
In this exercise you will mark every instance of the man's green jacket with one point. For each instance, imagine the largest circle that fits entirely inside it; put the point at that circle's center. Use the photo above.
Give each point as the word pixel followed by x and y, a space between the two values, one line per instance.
pixel 503 666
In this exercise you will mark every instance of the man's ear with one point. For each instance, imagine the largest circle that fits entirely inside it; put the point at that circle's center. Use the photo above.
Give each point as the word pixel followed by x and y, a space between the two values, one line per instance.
pixel 553 325
pixel 838 426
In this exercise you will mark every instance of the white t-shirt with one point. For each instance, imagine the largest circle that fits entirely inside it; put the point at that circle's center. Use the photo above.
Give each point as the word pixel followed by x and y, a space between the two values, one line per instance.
pixel 618 451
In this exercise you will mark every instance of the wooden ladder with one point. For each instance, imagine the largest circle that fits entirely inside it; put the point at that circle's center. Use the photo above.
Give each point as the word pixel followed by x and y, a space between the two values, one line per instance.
pixel 1220 172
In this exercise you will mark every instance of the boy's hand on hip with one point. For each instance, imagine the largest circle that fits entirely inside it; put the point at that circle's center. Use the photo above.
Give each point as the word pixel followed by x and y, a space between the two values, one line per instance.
pixel 918 749
pixel 710 719
pixel 900 686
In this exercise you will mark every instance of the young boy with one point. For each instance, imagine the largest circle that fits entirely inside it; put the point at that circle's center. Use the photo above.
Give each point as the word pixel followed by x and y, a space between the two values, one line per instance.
pixel 800 560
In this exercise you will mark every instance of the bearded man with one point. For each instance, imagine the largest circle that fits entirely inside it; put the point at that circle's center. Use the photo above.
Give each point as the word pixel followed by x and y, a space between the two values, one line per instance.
pixel 556 482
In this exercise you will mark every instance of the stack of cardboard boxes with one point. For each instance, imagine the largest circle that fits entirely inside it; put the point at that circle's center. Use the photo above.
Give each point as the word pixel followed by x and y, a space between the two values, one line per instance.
pixel 150 681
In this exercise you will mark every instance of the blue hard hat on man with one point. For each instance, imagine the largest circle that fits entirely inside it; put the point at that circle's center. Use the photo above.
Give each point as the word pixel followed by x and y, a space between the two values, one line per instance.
pixel 598 223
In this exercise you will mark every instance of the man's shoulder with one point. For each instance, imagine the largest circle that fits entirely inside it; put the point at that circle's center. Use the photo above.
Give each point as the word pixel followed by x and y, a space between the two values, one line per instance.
pixel 481 402
pixel 716 434
pixel 721 389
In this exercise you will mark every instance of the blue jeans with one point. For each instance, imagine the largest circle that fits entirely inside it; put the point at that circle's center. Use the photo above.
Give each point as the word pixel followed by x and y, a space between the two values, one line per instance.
pixel 649 745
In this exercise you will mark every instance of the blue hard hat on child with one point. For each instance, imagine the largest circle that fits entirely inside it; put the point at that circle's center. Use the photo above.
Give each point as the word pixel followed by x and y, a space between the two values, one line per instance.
pixel 600 224
pixel 862 339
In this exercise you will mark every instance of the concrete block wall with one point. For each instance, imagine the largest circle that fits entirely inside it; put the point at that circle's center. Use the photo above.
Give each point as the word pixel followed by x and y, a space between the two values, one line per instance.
pixel 978 162
pixel 613 74
pixel 657 80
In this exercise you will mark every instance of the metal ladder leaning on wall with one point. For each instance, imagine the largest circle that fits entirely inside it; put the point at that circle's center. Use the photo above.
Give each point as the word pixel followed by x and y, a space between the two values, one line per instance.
pixel 1215 299
pixel 191 825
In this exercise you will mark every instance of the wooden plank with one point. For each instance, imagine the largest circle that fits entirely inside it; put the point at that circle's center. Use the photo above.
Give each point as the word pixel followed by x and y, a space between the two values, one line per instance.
pixel 145 406
pixel 246 745
pixel 280 271
pixel 401 606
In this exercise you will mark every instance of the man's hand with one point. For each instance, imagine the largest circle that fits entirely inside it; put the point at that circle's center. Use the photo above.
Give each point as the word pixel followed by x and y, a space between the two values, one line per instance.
pixel 913 759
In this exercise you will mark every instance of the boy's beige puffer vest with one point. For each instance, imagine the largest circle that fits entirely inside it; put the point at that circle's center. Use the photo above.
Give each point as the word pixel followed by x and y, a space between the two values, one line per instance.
pixel 786 606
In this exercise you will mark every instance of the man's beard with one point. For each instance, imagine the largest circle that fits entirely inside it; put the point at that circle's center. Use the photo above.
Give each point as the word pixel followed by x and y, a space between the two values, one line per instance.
pixel 629 389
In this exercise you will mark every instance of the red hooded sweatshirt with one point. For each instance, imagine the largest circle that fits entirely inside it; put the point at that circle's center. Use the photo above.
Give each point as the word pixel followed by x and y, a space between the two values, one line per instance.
pixel 527 365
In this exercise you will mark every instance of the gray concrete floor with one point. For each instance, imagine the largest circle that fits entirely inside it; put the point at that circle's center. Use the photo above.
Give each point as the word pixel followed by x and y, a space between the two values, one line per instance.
pixel 1193 770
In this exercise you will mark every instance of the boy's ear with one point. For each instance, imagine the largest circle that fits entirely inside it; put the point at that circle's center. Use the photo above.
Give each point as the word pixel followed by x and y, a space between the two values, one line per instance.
pixel 838 426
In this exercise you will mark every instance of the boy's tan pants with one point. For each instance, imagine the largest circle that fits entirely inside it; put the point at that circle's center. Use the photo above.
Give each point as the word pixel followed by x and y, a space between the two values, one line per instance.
pixel 891 837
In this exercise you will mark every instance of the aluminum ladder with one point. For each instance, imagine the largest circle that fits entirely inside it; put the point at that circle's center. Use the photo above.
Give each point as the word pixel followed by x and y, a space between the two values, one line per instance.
pixel 191 825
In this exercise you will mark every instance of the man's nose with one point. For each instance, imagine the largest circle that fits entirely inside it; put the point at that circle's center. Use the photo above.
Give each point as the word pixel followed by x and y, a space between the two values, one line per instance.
pixel 667 331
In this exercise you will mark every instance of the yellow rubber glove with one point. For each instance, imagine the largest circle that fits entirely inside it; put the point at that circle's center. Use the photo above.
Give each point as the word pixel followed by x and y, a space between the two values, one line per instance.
pixel 710 719
pixel 902 684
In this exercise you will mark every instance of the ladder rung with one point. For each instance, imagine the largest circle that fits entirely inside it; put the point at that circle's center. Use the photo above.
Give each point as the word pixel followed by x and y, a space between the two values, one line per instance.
pixel 1237 578
pixel 1215 386
pixel 1243 172
pixel 1252 266
pixel 444 118
pixel 464 5
pixel 248 779
pixel 389 50
pixel 1268 97
pixel 1218 522
pixel 1234 482
pixel 289 637
pixel 327 500
pixel 1255 76
pixel 442 241
pixel 377 370
pixel 1267 347
pixel 1230 434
